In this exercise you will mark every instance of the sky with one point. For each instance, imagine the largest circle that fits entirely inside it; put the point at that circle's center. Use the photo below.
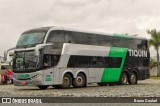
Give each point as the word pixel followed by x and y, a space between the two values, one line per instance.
pixel 110 16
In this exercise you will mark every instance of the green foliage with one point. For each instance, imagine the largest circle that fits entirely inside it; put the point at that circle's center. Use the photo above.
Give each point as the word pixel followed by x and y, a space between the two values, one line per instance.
pixel 153 63
pixel 155 42
pixel 155 38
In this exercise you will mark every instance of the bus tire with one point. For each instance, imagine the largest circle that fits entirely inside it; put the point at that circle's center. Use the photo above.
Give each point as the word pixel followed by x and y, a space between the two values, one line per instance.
pixel 123 79
pixel 42 86
pixel 133 78
pixel 80 81
pixel 101 83
pixel 67 81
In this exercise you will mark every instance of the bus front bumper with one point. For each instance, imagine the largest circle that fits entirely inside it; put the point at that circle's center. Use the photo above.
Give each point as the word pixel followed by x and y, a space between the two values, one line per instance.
pixel 17 82
pixel 22 79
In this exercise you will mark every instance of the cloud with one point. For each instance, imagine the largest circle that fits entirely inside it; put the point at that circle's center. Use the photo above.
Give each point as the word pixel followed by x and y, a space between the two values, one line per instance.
pixel 112 16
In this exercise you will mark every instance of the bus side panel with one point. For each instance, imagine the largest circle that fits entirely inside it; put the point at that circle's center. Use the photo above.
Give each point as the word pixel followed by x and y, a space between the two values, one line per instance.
pixel 113 74
pixel 48 76
pixel 95 74
pixel 139 62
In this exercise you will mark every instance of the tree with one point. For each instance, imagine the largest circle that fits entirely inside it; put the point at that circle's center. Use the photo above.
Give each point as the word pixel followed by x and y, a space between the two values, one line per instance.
pixel 155 42
pixel 153 63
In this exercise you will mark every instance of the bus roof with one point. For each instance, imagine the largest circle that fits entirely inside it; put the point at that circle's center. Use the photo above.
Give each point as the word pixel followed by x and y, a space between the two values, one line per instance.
pixel 108 34
pixel 85 31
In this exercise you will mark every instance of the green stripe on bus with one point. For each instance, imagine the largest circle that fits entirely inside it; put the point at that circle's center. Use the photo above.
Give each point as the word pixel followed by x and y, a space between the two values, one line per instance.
pixel 113 74
pixel 122 35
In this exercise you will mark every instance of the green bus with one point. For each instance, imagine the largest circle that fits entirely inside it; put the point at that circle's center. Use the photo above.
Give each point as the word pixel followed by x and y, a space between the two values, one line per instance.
pixel 64 58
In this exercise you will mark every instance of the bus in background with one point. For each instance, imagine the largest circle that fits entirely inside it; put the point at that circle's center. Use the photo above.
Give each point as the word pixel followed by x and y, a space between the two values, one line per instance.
pixel 62 57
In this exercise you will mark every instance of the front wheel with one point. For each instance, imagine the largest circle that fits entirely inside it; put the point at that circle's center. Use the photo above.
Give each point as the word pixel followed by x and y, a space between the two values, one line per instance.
pixel 123 79
pixel 42 86
pixel 133 78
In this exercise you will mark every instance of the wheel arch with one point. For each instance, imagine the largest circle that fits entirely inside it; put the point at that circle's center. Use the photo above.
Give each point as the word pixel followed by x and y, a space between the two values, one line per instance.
pixel 70 72
pixel 127 72
pixel 81 71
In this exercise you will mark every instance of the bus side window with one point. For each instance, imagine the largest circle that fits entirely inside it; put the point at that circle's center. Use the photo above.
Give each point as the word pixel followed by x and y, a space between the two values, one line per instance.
pixel 104 40
pixel 56 37
pixel 55 59
pixel 46 61
pixel 113 62
pixel 142 44
pixel 73 37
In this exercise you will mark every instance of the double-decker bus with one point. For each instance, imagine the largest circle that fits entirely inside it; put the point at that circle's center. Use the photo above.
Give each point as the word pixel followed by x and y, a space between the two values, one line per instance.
pixel 63 57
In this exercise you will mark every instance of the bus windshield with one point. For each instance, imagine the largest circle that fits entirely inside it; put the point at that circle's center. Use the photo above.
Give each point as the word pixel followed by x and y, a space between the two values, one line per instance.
pixel 30 39
pixel 26 60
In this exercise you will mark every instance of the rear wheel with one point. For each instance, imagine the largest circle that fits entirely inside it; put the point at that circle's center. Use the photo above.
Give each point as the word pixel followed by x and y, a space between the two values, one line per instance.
pixel 80 81
pixel 42 86
pixel 67 82
pixel 123 79
pixel 133 78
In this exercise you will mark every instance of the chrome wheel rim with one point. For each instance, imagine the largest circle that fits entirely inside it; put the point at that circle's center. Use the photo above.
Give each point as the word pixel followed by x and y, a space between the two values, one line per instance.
pixel 79 80
pixel 66 80
pixel 133 78
pixel 124 79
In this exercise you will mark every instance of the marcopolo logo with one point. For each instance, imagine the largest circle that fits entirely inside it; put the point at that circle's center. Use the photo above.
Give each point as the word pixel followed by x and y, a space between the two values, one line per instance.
pixel 138 53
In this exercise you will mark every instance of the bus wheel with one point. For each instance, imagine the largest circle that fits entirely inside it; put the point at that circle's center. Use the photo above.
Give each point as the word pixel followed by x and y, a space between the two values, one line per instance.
pixel 42 86
pixel 102 83
pixel 67 82
pixel 80 81
pixel 123 79
pixel 133 78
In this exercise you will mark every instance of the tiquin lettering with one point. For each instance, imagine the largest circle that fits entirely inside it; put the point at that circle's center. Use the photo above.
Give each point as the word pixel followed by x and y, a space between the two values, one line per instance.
pixel 138 53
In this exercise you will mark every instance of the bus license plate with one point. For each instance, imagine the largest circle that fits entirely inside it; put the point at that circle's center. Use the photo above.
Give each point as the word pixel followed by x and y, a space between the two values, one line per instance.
pixel 23 82
pixel 23 76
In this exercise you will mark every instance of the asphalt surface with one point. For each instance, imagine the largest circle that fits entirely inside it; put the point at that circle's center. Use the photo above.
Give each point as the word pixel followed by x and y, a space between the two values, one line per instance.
pixel 144 88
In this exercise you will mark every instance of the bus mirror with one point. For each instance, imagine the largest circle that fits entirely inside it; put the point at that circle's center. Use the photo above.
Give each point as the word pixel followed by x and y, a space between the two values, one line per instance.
pixel 5 55
pixel 40 46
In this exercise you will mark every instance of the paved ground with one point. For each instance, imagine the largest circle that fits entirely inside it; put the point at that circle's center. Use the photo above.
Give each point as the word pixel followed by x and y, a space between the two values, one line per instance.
pixel 145 88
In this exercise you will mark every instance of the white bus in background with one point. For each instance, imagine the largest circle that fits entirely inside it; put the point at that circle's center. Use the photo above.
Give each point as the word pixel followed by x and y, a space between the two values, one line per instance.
pixel 6 63
pixel 61 57
pixel 8 55
pixel 8 58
